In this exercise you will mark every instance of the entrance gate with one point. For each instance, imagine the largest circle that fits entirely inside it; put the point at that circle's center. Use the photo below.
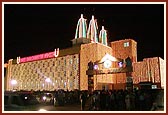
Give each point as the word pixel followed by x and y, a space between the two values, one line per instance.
pixel 93 70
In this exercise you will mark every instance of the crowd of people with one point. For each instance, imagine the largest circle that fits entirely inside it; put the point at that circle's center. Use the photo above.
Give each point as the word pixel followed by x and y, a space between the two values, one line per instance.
pixel 120 100
pixel 107 100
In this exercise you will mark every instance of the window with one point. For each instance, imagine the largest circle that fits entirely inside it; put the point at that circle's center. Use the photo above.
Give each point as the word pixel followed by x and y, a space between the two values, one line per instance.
pixel 71 73
pixel 70 61
pixel 59 62
pixel 58 74
pixel 154 86
pixel 55 68
pixel 126 44
pixel 74 66
pixel 65 73
pixel 64 62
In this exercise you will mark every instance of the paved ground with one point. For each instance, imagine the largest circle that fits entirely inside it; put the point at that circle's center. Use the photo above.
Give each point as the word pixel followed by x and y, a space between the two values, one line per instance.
pixel 74 107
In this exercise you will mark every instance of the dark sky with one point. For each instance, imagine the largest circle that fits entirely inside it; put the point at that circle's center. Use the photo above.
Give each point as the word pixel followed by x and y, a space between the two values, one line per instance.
pixel 32 29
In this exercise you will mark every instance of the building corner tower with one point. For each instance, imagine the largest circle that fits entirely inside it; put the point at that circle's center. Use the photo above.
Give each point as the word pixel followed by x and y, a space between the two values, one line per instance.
pixel 123 49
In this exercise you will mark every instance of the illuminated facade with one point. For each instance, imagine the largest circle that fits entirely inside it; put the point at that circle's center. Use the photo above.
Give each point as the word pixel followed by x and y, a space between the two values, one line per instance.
pixel 149 70
pixel 123 49
pixel 66 68
pixel 47 74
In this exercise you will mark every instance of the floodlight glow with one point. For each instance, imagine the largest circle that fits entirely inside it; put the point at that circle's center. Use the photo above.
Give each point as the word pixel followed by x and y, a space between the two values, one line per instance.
pixel 42 110
pixel 120 64
pixel 44 98
pixel 96 67
pixel 107 64
pixel 13 82
pixel 48 80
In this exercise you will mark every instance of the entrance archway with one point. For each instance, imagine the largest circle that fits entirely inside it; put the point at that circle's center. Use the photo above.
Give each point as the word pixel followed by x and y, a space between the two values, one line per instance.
pixel 94 70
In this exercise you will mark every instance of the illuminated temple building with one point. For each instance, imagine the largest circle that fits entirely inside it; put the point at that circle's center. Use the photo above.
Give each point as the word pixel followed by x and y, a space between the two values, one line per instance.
pixel 67 68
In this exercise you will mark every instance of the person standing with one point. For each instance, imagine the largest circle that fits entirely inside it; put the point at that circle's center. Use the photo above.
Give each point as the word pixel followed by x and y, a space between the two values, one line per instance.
pixel 83 100
pixel 128 102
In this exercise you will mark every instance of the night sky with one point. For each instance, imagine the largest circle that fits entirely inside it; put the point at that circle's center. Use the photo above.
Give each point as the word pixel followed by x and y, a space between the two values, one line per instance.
pixel 31 29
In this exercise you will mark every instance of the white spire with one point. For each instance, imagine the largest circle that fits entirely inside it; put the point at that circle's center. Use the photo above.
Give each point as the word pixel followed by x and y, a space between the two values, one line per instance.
pixel 102 27
pixel 92 17
pixel 81 28
pixel 81 15
pixel 103 36
pixel 92 32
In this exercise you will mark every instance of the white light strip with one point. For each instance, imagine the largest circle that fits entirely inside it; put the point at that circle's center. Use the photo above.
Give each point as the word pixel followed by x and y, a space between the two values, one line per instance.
pixel 84 112
pixel 165 85
pixel 3 58
pixel 83 2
